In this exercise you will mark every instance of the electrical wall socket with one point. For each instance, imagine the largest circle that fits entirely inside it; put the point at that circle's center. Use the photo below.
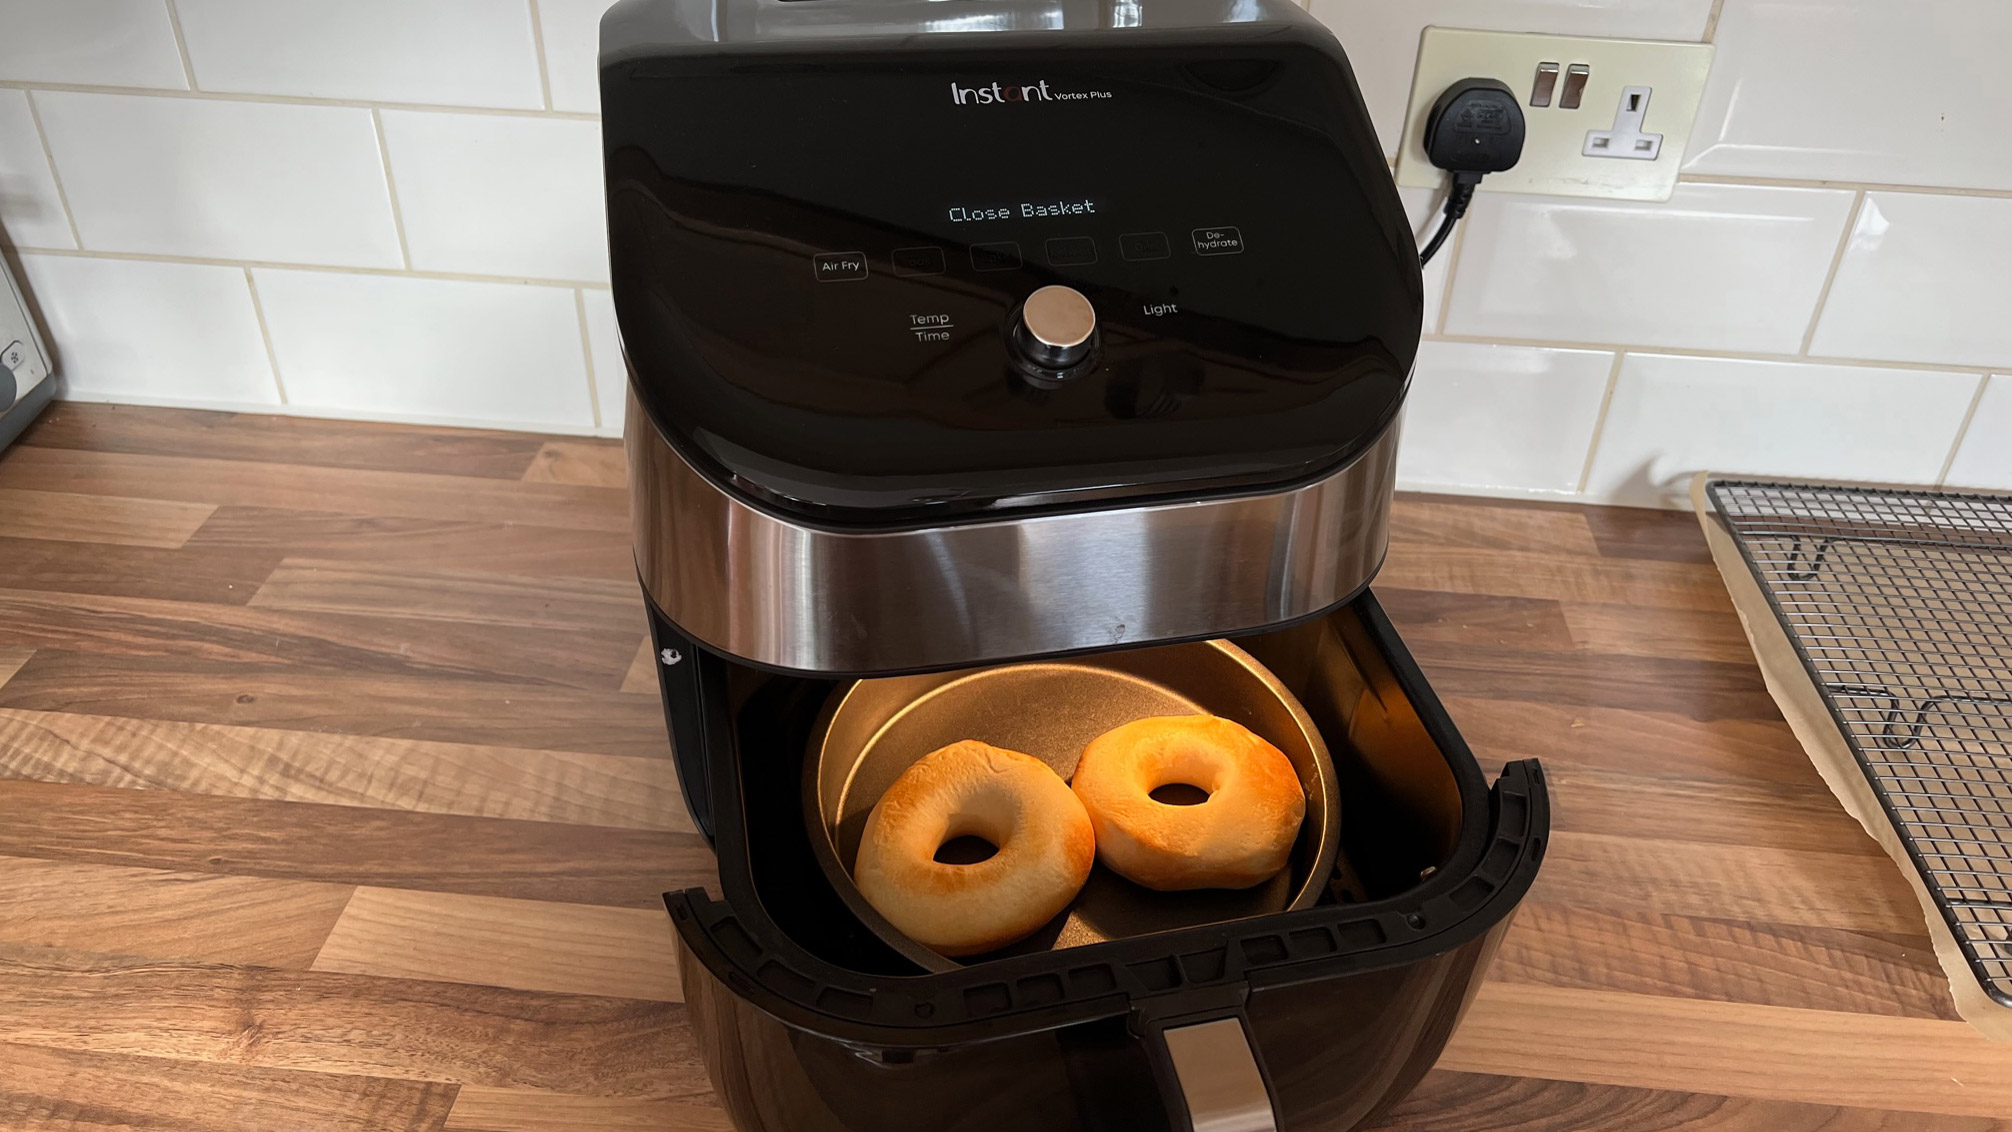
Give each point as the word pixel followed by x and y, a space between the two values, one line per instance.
pixel 1618 118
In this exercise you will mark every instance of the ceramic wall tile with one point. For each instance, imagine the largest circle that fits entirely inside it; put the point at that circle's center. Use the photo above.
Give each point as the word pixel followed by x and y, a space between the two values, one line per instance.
pixel 1924 279
pixel 1717 267
pixel 222 180
pixel 31 210
pixel 1859 90
pixel 453 52
pixel 1501 418
pixel 1985 457
pixel 144 331
pixel 496 194
pixel 1672 417
pixel 572 31
pixel 428 349
pixel 611 371
pixel 96 42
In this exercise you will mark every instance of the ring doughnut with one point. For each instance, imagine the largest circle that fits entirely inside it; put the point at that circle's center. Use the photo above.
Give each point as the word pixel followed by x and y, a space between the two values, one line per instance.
pixel 1016 802
pixel 1240 836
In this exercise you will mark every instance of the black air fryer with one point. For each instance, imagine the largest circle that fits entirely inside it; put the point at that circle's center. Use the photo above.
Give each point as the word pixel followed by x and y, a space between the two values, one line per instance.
pixel 970 335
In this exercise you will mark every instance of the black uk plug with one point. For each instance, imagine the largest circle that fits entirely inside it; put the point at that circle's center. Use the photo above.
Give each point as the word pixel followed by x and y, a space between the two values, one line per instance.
pixel 1474 128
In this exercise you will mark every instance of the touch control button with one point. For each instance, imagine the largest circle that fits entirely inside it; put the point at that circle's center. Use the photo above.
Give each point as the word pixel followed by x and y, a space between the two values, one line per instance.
pixel 1144 245
pixel 1071 251
pixel 1057 330
pixel 1002 256
pixel 918 261
pixel 838 267
pixel 1218 241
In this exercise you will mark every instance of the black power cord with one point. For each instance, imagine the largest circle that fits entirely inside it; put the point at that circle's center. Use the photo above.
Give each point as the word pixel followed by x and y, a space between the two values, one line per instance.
pixel 1475 128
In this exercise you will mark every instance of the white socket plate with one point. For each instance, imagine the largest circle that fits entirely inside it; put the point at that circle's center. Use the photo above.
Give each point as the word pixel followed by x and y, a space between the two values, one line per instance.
pixel 1554 159
pixel 17 336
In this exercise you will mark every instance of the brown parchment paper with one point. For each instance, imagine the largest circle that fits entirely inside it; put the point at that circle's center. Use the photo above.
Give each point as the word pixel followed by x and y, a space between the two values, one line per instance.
pixel 1802 705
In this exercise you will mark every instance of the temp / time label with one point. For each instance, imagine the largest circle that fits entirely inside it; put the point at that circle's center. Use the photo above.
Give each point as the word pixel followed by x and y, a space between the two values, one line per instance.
pixel 930 327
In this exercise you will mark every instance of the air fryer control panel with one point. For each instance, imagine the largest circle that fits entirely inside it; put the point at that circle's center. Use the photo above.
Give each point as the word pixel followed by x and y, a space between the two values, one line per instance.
pixel 823 265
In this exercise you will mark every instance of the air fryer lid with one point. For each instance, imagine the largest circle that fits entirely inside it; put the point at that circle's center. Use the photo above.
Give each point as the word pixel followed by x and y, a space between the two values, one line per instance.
pixel 818 256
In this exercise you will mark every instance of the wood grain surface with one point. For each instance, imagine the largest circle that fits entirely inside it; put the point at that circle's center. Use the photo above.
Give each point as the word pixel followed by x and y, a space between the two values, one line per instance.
pixel 335 794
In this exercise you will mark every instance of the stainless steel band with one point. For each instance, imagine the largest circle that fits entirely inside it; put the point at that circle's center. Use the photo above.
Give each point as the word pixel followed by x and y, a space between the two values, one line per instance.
pixel 773 591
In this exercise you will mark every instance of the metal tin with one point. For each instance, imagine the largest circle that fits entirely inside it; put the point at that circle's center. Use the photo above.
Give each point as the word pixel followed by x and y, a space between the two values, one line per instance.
pixel 873 730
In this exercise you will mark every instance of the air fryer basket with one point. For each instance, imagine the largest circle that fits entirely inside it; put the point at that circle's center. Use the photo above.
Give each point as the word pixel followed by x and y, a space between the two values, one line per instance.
pixel 873 730
pixel 809 1023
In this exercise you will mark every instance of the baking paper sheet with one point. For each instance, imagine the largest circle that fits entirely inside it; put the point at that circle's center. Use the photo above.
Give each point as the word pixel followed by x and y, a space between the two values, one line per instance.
pixel 1803 706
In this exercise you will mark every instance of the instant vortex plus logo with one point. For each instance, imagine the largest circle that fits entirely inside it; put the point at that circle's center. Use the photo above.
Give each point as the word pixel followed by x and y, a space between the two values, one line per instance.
pixel 986 94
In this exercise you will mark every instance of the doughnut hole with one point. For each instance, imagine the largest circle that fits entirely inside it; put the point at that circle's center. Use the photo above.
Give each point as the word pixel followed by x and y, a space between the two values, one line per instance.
pixel 1183 776
pixel 980 830
pixel 967 849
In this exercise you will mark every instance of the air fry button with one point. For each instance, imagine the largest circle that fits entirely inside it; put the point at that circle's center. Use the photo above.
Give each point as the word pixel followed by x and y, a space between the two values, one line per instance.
pixel 838 267
pixel 1218 241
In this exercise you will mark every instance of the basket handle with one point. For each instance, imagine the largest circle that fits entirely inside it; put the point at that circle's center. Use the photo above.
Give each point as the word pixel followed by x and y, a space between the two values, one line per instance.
pixel 1216 1080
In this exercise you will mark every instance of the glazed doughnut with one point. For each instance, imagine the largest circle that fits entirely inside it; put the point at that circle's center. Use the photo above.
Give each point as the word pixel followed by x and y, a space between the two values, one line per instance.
pixel 1239 837
pixel 1015 801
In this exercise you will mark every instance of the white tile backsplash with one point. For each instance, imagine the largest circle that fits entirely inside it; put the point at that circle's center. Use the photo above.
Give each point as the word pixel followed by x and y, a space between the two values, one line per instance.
pixel 98 42
pixel 497 176
pixel 1859 90
pixel 146 331
pixel 31 210
pixel 434 349
pixel 611 372
pixel 1501 418
pixel 455 52
pixel 572 31
pixel 1985 458
pixel 1381 36
pixel 500 195
pixel 1674 416
pixel 222 180
pixel 1717 267
pixel 1924 279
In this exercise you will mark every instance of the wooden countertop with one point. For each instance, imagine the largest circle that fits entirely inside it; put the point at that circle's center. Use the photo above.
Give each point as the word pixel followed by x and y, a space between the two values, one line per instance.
pixel 334 794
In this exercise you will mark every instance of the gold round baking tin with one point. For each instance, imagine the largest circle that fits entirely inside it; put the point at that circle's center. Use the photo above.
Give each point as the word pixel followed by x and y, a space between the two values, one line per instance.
pixel 873 730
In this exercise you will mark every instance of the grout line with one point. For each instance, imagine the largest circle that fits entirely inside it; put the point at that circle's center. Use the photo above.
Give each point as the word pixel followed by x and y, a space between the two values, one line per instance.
pixel 296 100
pixel 1729 355
pixel 1600 422
pixel 391 187
pixel 265 332
pixel 538 44
pixel 1830 277
pixel 338 269
pixel 1712 21
pixel 587 352
pixel 181 45
pixel 56 177
pixel 1857 186
pixel 1963 431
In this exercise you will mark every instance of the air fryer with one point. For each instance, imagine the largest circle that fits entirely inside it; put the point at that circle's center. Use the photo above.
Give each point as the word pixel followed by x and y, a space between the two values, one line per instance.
pixel 966 334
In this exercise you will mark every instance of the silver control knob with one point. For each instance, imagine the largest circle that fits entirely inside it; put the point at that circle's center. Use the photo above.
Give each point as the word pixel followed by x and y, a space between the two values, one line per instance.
pixel 1057 328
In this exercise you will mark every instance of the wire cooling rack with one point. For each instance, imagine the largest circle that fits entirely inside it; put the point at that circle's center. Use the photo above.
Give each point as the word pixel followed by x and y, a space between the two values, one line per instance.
pixel 1900 604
